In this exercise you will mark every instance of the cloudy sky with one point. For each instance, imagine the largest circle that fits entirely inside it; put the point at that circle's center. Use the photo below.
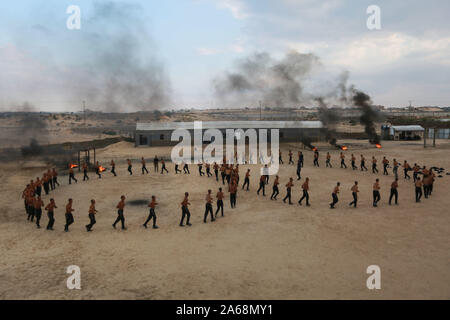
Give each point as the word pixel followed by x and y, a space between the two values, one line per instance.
pixel 185 44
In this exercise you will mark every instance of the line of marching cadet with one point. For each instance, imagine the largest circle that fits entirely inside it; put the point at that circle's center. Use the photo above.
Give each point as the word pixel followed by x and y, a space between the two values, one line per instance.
pixel 229 175
pixel 426 183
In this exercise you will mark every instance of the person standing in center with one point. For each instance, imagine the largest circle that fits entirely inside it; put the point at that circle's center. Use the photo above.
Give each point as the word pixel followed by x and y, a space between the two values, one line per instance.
pixel 246 180
pixel 316 158
pixel 406 168
pixel 120 217
pixel 427 181
pixel 45 182
pixel 363 163
pixel 275 191
pixel 343 165
pixel 130 167
pixel 228 170
pixel 354 162
pixel 376 192
pixel 374 165
pixel 418 185
pixel 113 168
pixel 97 170
pixel 305 188
pixel 55 177
pixel 233 193
pixel 395 169
pixel 200 171
pixel 72 175
pixel 186 168
pixel 385 166
pixel 85 170
pixel 354 194
pixel 185 210
pixel 144 167
pixel 266 173
pixel 152 215
pixel 222 172
pixel 328 161
pixel 69 215
pixel 30 205
pixel 416 170
pixel 290 157
pixel 92 212
pixel 38 186
pixel 219 197
pixel 394 192
pixel 334 195
pixel 262 184
pixel 163 167
pixel 208 207
pixel 50 208
pixel 50 179
pixel 289 186
pixel 156 163
pixel 216 170
pixel 299 170
pixel 300 158
pixel 38 204
pixel 208 169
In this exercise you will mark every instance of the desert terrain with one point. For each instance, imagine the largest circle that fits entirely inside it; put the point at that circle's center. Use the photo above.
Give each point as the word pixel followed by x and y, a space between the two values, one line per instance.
pixel 263 249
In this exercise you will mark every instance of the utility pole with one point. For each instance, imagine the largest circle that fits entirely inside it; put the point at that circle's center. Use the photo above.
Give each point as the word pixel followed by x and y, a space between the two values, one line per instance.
pixel 260 110
pixel 425 133
pixel 84 111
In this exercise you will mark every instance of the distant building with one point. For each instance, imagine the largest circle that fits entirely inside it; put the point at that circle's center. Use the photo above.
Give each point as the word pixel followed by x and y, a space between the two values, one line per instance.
pixel 160 133
pixel 429 109
pixel 441 133
pixel 412 132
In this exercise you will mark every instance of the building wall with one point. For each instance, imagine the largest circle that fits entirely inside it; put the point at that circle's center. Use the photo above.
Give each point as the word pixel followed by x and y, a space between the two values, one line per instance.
pixel 407 135
pixel 440 133
pixel 163 138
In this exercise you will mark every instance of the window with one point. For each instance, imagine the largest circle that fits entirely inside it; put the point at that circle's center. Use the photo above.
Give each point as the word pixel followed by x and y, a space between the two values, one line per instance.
pixel 161 137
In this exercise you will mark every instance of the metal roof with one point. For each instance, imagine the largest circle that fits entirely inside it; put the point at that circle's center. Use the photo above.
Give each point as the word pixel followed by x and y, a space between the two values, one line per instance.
pixel 408 128
pixel 161 126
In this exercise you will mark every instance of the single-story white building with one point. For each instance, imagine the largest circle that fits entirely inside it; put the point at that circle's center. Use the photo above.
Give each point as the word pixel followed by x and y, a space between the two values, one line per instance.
pixel 159 133
pixel 409 132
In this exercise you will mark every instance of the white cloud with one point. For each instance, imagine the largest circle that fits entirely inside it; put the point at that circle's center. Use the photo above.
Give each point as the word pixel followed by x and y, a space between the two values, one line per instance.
pixel 237 47
pixel 237 8
pixel 370 52
pixel 306 47
pixel 207 51
pixel 376 50
pixel 313 8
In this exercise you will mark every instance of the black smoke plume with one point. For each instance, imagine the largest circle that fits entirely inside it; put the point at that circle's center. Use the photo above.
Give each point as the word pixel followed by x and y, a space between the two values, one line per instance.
pixel 111 62
pixel 368 115
pixel 260 77
pixel 329 119
pixel 120 67
pixel 32 150
pixel 32 126
pixel 33 137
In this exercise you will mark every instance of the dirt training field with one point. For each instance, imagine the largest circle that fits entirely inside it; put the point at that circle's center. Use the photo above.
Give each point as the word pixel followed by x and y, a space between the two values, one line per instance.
pixel 263 249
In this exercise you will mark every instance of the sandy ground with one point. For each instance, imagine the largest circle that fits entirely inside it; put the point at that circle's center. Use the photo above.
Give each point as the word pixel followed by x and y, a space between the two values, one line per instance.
pixel 261 250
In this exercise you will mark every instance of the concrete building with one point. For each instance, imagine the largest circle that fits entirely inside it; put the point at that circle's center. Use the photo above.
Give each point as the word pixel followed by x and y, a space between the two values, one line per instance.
pixel 160 133
pixel 411 132
pixel 441 133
